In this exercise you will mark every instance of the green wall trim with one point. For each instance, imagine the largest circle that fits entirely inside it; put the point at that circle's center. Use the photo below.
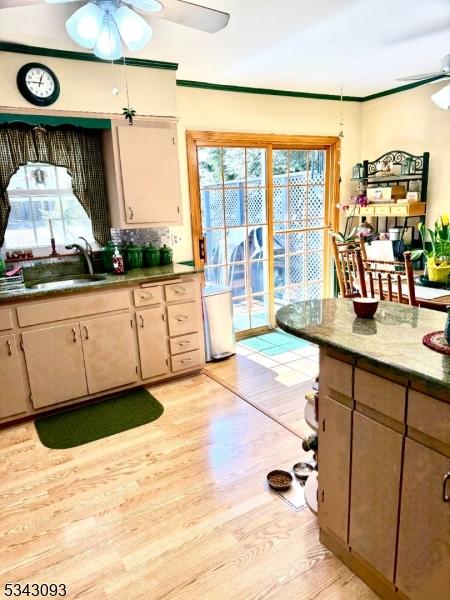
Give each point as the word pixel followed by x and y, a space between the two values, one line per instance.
pixel 402 88
pixel 270 92
pixel 69 54
pixel 37 119
pixel 155 64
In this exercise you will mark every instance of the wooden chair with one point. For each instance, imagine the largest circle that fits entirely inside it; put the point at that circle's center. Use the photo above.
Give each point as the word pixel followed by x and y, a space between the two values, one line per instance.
pixel 380 279
pixel 348 257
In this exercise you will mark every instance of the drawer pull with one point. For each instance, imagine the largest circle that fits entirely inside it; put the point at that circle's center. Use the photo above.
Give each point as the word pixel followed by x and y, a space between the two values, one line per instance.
pixel 8 343
pixel 185 343
pixel 86 332
pixel 131 213
pixel 146 296
pixel 179 290
pixel 142 321
pixel 74 333
pixel 182 318
pixel 445 498
pixel 186 360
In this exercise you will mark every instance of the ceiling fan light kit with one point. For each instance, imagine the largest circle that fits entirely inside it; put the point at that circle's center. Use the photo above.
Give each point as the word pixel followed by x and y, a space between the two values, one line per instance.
pixel 103 25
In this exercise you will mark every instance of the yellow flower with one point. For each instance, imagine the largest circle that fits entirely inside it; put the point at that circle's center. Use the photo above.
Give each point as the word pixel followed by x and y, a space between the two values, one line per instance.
pixel 445 219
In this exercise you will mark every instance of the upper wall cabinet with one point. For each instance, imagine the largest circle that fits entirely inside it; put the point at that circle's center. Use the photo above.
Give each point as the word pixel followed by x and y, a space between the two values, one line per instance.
pixel 142 173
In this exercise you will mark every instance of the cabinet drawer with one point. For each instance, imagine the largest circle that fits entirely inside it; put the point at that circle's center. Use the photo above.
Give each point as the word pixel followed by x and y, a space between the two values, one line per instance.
pixel 182 319
pixel 383 210
pixel 380 394
pixel 147 296
pixel 185 343
pixel 430 416
pixel 399 210
pixel 5 319
pixel 81 306
pixel 336 376
pixel 188 360
pixel 176 292
pixel 366 210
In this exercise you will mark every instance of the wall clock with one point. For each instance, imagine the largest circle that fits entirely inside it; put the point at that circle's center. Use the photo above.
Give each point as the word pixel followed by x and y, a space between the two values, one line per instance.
pixel 38 84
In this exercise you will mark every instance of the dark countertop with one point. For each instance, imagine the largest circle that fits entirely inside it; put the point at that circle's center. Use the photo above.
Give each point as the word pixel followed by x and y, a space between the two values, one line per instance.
pixel 392 339
pixel 134 277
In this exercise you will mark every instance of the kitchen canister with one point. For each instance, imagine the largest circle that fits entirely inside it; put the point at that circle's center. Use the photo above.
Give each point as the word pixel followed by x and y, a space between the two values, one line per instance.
pixel 165 255
pixel 151 256
pixel 133 256
pixel 107 256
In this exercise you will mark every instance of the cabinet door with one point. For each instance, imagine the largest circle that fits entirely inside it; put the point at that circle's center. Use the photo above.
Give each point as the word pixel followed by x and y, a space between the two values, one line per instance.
pixel 12 392
pixel 108 347
pixel 55 365
pixel 423 565
pixel 152 342
pixel 376 466
pixel 334 461
pixel 150 172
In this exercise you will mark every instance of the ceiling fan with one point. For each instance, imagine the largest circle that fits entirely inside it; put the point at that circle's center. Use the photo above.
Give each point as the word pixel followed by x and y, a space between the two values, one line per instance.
pixel 442 97
pixel 101 25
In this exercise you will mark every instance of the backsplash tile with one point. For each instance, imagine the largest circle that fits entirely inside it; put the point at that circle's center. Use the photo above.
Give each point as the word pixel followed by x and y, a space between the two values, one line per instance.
pixel 157 237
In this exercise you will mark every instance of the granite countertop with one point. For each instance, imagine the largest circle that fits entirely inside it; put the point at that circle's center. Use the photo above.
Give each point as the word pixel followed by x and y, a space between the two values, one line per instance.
pixel 133 277
pixel 392 339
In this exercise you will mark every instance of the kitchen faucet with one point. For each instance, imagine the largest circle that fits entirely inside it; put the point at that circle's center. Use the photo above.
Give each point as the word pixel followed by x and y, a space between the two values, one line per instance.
pixel 86 252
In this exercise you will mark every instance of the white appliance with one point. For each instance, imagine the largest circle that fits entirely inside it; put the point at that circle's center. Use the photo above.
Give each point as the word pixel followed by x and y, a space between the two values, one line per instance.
pixel 218 322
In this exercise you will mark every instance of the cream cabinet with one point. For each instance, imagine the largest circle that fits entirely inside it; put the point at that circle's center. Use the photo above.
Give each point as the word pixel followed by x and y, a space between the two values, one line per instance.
pixel 142 173
pixel 12 392
pixel 334 473
pixel 375 484
pixel 423 564
pixel 55 364
pixel 72 361
pixel 109 356
pixel 152 335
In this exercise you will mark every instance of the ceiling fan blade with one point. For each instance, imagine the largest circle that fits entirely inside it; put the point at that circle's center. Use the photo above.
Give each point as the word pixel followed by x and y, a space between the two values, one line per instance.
pixel 192 15
pixel 419 77
pixel 14 3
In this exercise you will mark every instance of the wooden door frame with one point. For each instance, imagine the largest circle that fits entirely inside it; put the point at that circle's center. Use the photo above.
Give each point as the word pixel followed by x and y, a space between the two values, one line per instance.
pixel 269 142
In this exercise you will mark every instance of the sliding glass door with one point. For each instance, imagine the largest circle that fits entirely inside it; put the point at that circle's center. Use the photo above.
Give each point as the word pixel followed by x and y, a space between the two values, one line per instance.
pixel 233 195
pixel 260 211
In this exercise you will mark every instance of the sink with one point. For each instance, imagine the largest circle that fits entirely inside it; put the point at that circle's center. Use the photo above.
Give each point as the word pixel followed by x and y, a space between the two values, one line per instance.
pixel 65 282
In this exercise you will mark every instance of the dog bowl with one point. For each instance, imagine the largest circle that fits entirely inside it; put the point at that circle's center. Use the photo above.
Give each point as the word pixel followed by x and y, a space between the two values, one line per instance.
pixel 365 308
pixel 302 470
pixel 279 481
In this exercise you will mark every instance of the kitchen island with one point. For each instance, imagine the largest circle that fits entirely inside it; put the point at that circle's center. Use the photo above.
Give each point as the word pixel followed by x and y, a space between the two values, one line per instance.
pixel 384 443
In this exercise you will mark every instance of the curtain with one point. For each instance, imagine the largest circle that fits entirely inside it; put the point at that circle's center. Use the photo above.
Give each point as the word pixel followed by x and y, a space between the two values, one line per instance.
pixel 77 150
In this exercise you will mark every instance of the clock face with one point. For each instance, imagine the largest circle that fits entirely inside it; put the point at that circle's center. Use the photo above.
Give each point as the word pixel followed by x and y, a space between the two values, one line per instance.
pixel 38 84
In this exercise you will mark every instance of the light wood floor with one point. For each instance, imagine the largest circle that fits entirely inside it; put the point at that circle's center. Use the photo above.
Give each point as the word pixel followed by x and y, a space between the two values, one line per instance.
pixel 173 509
pixel 261 386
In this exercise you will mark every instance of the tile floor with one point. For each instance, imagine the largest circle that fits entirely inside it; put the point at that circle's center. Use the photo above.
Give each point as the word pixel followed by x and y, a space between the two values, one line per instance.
pixel 294 360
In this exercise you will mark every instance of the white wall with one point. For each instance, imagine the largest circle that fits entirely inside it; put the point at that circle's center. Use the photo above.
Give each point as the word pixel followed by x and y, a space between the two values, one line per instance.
pixel 411 121
pixel 253 113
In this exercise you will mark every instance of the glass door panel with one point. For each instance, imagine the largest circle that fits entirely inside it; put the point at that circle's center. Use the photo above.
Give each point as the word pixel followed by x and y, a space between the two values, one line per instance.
pixel 299 205
pixel 234 219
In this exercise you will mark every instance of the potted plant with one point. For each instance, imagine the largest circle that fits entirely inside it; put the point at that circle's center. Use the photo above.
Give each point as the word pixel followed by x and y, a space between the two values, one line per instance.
pixel 438 254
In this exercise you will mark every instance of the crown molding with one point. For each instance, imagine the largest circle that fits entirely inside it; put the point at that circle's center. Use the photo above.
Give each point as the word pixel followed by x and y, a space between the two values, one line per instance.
pixel 87 56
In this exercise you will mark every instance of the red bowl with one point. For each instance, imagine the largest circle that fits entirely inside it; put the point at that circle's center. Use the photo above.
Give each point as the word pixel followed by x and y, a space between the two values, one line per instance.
pixel 365 307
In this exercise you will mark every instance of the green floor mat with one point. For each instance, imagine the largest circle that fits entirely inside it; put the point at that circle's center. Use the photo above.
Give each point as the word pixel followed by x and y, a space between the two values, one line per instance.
pixel 92 422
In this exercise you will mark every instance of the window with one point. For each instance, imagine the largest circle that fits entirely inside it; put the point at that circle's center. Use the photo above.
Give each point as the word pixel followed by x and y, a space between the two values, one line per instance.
pixel 40 193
